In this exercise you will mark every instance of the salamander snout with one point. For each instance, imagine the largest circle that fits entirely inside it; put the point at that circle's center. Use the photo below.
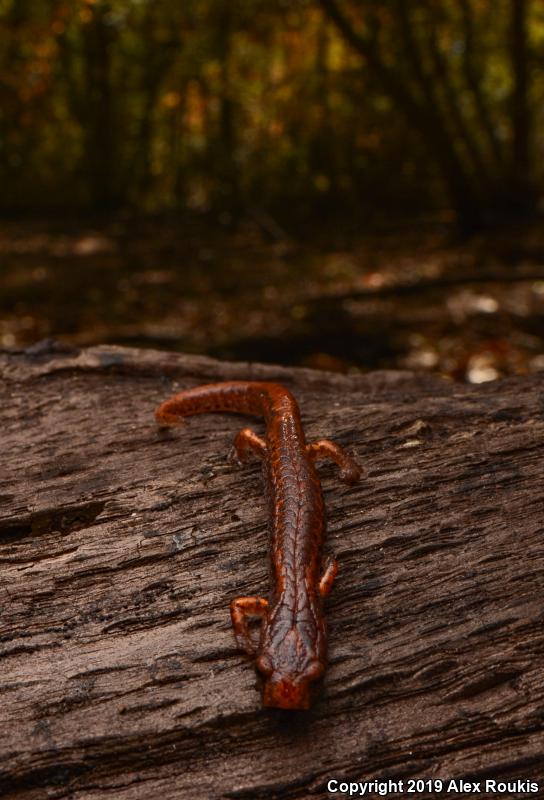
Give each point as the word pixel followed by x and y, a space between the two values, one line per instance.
pixel 290 691
pixel 286 693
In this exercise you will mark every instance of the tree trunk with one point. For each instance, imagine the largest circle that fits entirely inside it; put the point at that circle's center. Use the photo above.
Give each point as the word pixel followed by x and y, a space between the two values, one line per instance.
pixel 227 138
pixel 100 130
pixel 121 547
pixel 522 196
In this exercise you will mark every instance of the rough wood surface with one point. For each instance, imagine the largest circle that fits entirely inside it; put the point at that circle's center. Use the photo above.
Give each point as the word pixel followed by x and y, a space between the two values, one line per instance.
pixel 121 547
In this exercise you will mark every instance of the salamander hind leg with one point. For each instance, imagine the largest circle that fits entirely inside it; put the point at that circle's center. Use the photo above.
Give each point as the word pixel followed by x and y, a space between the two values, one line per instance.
pixel 350 471
pixel 240 610
pixel 327 579
pixel 246 442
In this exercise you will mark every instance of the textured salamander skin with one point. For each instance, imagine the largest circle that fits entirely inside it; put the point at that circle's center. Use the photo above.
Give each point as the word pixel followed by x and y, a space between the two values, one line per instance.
pixel 291 654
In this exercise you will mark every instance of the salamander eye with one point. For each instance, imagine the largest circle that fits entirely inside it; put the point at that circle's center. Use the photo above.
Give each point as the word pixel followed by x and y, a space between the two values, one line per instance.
pixel 264 666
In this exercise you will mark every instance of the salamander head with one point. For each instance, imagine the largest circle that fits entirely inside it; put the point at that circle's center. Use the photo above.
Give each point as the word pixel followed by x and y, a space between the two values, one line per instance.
pixel 290 691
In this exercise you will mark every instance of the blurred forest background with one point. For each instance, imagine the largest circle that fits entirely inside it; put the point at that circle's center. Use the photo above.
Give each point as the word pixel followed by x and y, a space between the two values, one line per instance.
pixel 334 183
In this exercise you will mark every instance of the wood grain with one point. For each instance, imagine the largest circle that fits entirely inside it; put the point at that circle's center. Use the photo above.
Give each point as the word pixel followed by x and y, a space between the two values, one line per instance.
pixel 121 547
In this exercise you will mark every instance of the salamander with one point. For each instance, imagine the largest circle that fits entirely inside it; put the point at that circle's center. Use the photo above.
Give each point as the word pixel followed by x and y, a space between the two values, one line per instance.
pixel 291 653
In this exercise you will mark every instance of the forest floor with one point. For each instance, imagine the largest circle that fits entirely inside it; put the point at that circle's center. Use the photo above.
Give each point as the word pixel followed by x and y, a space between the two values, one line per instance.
pixel 403 297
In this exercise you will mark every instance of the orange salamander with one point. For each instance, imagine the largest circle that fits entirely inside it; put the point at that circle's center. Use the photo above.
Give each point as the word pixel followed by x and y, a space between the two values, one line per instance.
pixel 291 654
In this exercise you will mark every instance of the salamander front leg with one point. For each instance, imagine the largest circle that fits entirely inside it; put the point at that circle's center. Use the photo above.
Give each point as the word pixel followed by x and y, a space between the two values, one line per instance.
pixel 246 442
pixel 240 610
pixel 350 471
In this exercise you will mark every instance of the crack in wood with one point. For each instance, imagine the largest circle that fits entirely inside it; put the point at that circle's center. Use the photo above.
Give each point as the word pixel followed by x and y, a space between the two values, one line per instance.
pixel 51 520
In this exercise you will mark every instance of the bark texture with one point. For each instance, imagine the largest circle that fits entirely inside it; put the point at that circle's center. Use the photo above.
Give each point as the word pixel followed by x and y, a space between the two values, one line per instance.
pixel 121 547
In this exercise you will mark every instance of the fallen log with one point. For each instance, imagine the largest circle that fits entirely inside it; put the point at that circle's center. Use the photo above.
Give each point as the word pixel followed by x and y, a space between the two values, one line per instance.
pixel 121 547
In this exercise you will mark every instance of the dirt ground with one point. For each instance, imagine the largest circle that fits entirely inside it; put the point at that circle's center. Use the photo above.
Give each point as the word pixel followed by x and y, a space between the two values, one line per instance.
pixel 403 297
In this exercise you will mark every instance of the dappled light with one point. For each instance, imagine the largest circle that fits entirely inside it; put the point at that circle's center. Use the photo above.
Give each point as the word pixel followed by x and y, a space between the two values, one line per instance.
pixel 240 297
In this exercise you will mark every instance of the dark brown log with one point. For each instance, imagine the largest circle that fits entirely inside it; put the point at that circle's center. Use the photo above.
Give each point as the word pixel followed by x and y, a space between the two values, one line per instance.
pixel 121 547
